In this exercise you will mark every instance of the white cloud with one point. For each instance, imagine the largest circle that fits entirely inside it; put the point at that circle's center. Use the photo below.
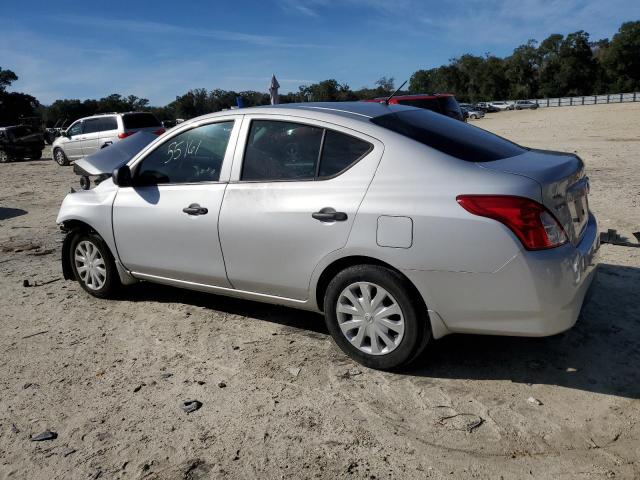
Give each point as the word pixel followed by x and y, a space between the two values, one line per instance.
pixel 159 28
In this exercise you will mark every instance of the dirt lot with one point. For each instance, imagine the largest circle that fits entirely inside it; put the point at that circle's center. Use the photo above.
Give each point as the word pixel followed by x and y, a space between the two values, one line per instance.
pixel 109 376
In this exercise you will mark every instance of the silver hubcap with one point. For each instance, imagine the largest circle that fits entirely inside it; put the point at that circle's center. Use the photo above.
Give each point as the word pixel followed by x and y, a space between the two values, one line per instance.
pixel 59 156
pixel 90 265
pixel 370 318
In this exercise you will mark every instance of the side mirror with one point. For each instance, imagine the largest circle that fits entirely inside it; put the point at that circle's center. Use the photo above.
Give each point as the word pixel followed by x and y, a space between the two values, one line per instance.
pixel 122 176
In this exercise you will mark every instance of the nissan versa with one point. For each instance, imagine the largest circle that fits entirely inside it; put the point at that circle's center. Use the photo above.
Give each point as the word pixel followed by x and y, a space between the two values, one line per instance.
pixel 399 224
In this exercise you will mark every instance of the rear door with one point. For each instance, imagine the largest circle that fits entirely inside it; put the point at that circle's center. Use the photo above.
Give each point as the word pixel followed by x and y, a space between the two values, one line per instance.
pixel 108 131
pixel 295 190
pixel 166 225
pixel 91 135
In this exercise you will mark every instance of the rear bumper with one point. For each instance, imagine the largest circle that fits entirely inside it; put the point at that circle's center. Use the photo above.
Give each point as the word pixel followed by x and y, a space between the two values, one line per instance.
pixel 535 294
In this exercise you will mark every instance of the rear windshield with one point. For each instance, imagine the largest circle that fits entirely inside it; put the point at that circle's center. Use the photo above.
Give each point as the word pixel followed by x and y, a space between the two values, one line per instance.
pixel 428 103
pixel 449 136
pixel 140 120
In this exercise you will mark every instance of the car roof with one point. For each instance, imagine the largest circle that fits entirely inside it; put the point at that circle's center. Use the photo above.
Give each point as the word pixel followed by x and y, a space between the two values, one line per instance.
pixel 359 111
pixel 414 96
pixel 109 114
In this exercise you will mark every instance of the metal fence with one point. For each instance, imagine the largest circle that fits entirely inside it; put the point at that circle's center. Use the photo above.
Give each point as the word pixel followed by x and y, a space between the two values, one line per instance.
pixel 588 100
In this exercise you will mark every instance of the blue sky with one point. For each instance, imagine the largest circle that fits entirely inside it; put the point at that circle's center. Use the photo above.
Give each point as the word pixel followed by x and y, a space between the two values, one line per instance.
pixel 161 49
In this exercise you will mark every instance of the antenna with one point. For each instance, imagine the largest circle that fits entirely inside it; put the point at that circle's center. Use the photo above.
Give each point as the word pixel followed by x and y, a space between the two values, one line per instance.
pixel 386 101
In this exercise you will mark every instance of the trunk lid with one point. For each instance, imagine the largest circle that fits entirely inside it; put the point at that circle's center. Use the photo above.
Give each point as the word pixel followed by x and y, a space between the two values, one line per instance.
pixel 563 184
pixel 104 161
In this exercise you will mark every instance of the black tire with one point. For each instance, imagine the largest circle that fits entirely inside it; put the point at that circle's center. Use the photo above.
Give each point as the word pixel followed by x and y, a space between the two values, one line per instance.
pixel 36 155
pixel 111 279
pixel 417 329
pixel 60 158
pixel 4 157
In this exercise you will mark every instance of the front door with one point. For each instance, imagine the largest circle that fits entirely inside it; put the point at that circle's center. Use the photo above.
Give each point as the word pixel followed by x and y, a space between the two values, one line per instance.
pixel 292 200
pixel 73 145
pixel 166 225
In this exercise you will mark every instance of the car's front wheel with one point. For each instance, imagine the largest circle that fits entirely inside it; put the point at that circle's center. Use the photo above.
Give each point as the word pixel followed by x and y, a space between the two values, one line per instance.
pixel 4 157
pixel 60 158
pixel 375 317
pixel 93 265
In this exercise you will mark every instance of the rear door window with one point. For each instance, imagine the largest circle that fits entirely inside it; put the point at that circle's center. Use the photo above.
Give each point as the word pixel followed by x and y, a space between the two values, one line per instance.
pixel 92 125
pixel 279 150
pixel 134 121
pixel 449 136
pixel 109 123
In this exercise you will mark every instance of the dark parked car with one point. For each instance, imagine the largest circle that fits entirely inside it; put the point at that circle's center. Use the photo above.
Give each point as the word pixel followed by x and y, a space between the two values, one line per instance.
pixel 19 142
pixel 444 103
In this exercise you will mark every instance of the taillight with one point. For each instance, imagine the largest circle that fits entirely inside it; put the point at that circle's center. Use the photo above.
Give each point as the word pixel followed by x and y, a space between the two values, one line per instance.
pixel 532 223
pixel 159 131
pixel 125 134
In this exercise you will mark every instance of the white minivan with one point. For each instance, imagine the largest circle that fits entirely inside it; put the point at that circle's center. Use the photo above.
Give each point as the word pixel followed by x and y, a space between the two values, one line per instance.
pixel 90 134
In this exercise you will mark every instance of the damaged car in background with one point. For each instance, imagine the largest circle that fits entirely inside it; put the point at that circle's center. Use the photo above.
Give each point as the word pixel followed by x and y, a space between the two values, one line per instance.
pixel 398 224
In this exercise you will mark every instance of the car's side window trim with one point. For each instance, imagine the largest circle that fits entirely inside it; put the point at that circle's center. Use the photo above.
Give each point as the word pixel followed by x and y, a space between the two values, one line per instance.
pixel 316 177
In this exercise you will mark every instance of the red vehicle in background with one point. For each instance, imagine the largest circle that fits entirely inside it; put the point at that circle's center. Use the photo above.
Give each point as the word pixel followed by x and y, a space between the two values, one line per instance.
pixel 444 103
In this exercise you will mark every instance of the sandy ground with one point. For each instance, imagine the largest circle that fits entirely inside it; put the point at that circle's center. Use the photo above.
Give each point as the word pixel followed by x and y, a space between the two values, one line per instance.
pixel 109 376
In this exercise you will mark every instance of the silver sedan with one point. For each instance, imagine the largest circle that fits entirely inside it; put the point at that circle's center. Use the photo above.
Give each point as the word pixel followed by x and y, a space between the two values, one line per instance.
pixel 400 225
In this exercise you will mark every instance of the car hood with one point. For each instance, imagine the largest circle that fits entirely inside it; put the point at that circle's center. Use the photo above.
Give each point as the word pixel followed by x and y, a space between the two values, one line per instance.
pixel 114 156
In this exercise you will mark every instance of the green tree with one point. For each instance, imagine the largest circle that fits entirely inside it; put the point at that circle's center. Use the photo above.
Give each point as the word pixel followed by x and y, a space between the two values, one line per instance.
pixel 622 58
pixel 521 71
pixel 7 77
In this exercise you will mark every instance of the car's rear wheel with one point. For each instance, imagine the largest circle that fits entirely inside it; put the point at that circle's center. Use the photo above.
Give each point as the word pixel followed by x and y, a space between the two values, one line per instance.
pixel 60 158
pixel 374 316
pixel 35 155
pixel 4 157
pixel 93 265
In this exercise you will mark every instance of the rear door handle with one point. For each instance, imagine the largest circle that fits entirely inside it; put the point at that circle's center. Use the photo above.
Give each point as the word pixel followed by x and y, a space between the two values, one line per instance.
pixel 195 209
pixel 329 214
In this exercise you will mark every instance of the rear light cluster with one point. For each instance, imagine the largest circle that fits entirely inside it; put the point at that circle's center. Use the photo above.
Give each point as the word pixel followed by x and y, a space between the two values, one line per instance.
pixel 159 131
pixel 532 223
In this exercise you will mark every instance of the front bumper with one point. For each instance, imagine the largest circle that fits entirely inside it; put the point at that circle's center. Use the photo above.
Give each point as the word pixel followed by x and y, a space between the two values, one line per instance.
pixel 535 294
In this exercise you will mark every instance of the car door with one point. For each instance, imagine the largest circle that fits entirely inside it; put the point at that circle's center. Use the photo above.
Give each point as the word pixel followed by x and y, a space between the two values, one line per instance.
pixel 166 225
pixel 295 190
pixel 73 146
pixel 108 131
pixel 91 135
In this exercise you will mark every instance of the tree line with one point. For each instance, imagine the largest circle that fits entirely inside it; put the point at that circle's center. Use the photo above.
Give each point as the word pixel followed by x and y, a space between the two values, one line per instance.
pixel 558 66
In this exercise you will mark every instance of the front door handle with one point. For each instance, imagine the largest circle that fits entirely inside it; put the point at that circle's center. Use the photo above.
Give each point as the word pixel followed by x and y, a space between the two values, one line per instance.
pixel 195 209
pixel 329 214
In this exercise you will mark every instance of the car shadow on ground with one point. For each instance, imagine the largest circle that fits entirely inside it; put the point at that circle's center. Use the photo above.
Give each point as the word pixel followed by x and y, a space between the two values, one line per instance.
pixel 601 353
pixel 6 213
pixel 280 315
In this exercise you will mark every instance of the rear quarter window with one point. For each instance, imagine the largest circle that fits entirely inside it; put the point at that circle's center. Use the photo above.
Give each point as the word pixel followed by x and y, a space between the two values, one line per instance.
pixel 133 121
pixel 339 152
pixel 449 136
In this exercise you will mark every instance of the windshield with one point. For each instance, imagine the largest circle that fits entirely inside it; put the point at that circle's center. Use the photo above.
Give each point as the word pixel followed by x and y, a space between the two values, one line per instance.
pixel 449 136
